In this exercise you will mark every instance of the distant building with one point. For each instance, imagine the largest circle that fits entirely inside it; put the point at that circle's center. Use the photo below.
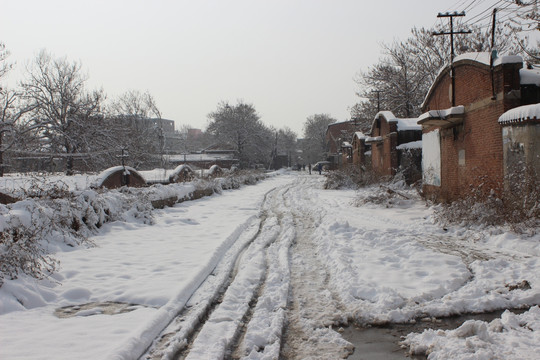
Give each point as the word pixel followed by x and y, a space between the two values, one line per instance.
pixel 396 144
pixel 336 134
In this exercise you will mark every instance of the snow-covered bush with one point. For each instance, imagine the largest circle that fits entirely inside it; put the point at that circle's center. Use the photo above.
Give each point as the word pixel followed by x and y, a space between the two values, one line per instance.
pixel 54 216
pixel 33 228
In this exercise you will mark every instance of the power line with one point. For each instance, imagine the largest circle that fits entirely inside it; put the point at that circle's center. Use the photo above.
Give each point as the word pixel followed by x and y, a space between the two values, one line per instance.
pixel 452 33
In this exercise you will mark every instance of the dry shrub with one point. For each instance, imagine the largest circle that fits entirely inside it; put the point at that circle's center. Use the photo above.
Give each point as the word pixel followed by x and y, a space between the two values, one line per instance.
pixel 394 192
pixel 351 177
pixel 519 208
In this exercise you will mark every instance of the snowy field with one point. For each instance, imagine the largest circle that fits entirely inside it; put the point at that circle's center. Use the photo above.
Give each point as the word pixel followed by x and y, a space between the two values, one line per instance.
pixel 273 270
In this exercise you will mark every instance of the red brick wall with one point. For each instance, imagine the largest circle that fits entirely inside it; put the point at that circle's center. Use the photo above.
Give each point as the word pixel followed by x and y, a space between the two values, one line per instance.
pixel 358 151
pixel 384 157
pixel 479 138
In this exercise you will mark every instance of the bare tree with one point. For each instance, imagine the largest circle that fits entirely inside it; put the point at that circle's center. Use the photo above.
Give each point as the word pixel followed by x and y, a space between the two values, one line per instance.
pixel 314 144
pixel 402 77
pixel 63 112
pixel 136 120
pixel 524 22
pixel 240 126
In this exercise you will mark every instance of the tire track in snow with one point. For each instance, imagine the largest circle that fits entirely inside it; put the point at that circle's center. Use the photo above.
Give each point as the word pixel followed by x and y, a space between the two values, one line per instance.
pixel 178 335
pixel 213 323
pixel 313 308
pixel 223 335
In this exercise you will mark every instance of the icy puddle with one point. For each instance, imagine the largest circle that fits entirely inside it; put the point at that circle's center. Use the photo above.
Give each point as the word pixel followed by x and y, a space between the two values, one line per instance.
pixel 95 308
pixel 382 342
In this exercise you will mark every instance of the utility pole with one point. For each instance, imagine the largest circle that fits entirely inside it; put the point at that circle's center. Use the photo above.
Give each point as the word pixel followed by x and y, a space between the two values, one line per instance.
pixel 452 33
pixel 493 29
pixel 493 55
pixel 378 99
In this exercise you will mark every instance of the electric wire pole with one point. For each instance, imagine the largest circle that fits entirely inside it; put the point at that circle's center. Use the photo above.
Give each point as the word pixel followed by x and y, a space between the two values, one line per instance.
pixel 452 33
pixel 378 99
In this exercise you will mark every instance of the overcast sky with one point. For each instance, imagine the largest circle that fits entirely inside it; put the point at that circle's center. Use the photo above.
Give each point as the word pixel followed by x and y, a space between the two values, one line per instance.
pixel 289 58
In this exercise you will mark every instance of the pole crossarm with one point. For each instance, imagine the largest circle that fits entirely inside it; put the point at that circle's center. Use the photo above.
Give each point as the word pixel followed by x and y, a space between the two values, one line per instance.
pixel 451 17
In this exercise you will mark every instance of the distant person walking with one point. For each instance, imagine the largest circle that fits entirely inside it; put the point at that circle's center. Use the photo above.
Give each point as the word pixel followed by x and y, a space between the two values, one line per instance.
pixel 309 168
pixel 319 166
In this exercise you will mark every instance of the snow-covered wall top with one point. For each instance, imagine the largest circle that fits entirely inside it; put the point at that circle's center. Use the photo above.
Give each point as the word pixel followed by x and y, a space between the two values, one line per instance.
pixel 529 76
pixel 485 57
pixel 442 114
pixel 360 135
pixel 410 145
pixel 408 124
pixel 374 139
pixel 402 124
pixel 520 114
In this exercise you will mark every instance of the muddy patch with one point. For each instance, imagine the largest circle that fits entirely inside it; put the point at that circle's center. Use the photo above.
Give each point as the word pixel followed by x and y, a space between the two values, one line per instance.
pixel 96 308
pixel 382 342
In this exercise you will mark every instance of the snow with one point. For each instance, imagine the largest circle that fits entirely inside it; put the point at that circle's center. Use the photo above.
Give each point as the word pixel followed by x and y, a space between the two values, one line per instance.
pixel 410 145
pixel 360 135
pixel 510 337
pixel 408 124
pixel 106 173
pixel 374 139
pixel 200 157
pixel 520 114
pixel 442 114
pixel 158 175
pixel 529 76
pixel 381 262
pixel 18 184
pixel 403 124
pixel 485 58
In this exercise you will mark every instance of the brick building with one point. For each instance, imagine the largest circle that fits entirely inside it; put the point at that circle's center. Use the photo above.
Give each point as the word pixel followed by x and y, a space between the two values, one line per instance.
pixel 336 134
pixel 359 149
pixel 521 152
pixel 387 135
pixel 462 139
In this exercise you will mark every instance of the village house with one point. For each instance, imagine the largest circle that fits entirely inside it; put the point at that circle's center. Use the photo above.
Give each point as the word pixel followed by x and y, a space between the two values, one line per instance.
pixel 336 134
pixel 395 144
pixel 359 149
pixel 462 138
pixel 521 153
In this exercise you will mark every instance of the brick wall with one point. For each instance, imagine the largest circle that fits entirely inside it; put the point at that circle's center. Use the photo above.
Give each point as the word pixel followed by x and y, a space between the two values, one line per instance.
pixel 472 152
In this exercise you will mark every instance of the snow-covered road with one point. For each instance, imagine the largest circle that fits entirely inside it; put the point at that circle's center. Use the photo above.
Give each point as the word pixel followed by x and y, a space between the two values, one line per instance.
pixel 273 270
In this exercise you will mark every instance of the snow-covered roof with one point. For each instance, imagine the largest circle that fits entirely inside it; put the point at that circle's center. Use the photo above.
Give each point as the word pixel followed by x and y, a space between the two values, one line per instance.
pixel 359 135
pixel 346 144
pixel 481 57
pixel 374 139
pixel 408 124
pixel 107 172
pixel 485 58
pixel 529 76
pixel 402 124
pixel 442 114
pixel 410 145
pixel 521 114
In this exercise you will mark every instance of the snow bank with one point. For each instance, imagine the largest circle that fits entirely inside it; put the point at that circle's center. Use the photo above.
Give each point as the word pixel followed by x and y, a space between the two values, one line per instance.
pixel 510 337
